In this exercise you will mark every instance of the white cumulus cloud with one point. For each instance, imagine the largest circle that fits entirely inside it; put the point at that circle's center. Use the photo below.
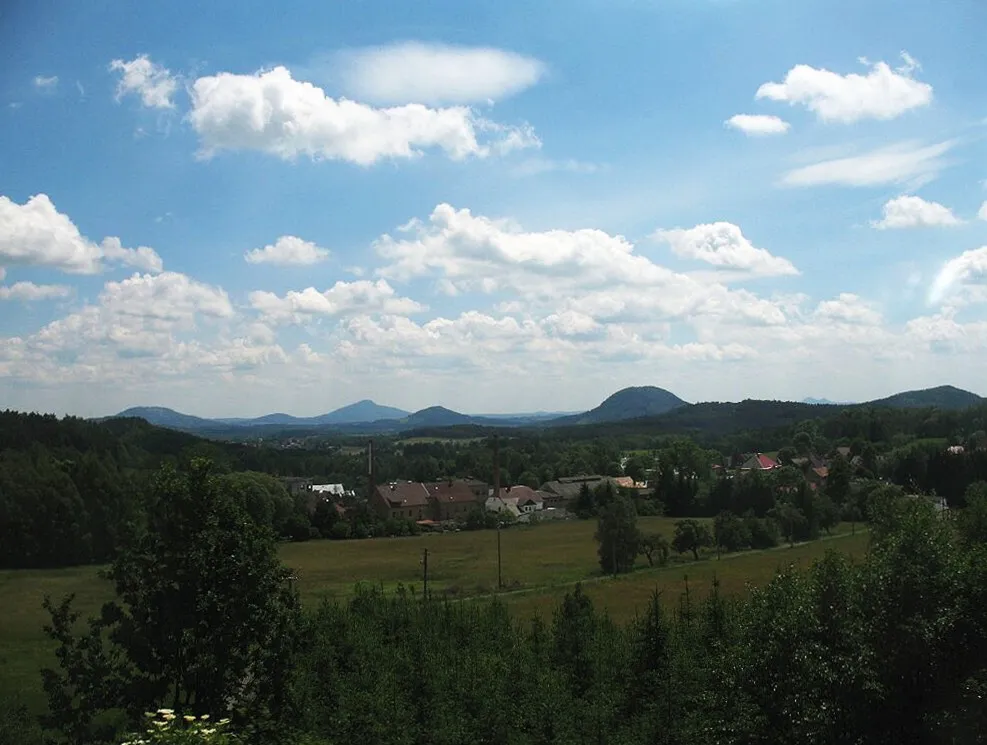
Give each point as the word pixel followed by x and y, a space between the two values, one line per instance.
pixel 587 271
pixel 167 296
pixel 37 234
pixel 905 162
pixel 143 258
pixel 883 93
pixel 848 308
pixel 724 246
pixel 272 112
pixel 437 73
pixel 915 212
pixel 982 214
pixel 758 125
pixel 288 250
pixel 29 292
pixel 343 298
pixel 962 278
pixel 152 82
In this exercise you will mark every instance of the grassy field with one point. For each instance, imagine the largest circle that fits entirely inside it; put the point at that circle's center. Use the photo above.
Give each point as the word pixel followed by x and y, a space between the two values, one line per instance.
pixel 539 564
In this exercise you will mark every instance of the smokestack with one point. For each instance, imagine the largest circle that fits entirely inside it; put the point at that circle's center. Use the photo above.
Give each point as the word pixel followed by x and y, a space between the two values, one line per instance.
pixel 370 466
pixel 496 466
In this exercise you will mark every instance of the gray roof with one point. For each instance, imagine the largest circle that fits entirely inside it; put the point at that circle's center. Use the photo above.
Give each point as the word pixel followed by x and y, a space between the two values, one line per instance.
pixel 569 486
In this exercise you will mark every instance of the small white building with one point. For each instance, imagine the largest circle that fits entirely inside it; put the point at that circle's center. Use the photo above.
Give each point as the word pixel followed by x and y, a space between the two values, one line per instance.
pixel 499 505
pixel 335 490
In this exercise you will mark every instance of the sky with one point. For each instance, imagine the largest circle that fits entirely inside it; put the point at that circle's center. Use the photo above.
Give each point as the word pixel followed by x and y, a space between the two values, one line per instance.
pixel 237 208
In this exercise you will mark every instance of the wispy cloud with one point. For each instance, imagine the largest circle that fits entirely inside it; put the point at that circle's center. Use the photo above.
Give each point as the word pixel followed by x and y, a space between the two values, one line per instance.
pixel 43 83
pixel 152 82
pixel 904 163
pixel 414 72
pixel 536 166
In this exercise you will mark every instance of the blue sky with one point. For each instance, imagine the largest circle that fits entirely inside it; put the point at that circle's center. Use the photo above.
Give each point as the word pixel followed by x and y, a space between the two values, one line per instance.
pixel 490 206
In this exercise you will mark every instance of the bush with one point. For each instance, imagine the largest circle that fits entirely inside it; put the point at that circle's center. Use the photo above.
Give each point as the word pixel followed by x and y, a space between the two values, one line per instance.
pixel 297 528
pixel 763 531
pixel 650 508
pixel 340 531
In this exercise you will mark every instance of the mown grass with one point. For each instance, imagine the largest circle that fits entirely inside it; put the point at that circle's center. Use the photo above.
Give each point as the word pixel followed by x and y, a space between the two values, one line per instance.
pixel 622 598
pixel 539 564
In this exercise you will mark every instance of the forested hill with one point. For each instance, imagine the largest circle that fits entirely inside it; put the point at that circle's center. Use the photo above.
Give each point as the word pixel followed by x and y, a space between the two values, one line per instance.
pixel 628 403
pixel 70 488
pixel 944 397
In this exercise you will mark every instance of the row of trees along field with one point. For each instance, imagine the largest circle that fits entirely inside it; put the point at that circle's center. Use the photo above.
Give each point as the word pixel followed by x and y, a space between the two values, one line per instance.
pixel 892 649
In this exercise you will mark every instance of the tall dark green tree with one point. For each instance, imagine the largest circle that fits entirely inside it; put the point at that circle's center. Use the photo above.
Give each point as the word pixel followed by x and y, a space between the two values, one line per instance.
pixel 585 505
pixel 838 480
pixel 617 536
pixel 573 629
pixel 203 619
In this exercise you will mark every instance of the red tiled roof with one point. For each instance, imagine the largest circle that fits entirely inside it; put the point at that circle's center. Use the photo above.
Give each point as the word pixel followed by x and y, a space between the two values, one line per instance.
pixel 822 472
pixel 625 481
pixel 404 494
pixel 521 493
pixel 450 492
pixel 765 462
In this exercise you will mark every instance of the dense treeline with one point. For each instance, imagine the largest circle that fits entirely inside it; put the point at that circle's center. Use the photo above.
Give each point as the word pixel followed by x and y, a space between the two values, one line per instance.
pixel 70 488
pixel 890 650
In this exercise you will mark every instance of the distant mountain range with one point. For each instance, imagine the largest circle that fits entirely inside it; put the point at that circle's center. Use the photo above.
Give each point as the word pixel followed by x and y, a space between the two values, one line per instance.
pixel 825 402
pixel 361 411
pixel 367 417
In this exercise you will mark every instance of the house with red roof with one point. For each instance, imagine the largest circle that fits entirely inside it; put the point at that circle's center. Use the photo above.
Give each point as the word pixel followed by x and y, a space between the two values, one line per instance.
pixel 401 499
pixel 759 462
pixel 451 500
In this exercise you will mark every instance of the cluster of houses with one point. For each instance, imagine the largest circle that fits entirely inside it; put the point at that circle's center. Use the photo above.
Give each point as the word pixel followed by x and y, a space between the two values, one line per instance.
pixel 815 467
pixel 452 500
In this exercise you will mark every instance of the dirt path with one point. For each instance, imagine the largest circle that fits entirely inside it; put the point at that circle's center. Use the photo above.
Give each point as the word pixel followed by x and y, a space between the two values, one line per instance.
pixel 658 570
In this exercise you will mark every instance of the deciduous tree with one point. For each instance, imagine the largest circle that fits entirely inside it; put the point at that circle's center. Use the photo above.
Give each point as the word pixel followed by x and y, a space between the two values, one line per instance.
pixel 203 619
pixel 691 535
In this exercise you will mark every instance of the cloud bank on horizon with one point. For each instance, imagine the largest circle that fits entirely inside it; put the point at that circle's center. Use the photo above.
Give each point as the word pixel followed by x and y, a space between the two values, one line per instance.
pixel 299 221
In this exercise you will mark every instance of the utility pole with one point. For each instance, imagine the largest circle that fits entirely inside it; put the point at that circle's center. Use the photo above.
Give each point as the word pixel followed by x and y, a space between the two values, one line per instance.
pixel 370 470
pixel 500 581
pixel 496 483
pixel 425 573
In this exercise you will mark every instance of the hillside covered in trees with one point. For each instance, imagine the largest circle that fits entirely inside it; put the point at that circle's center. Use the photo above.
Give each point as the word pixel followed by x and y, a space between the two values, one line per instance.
pixel 70 489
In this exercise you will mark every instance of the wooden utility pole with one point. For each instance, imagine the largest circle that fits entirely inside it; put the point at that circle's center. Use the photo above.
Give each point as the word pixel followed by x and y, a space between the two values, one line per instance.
pixel 370 470
pixel 500 581
pixel 496 486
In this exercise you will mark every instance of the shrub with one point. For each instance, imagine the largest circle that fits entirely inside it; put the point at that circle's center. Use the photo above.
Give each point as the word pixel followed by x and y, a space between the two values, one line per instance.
pixel 763 531
pixel 340 531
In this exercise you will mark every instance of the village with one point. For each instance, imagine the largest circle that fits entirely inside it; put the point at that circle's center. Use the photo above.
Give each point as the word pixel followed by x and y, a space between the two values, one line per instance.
pixel 446 504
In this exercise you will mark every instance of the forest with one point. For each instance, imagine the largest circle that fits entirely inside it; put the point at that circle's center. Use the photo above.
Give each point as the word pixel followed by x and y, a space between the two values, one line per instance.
pixel 206 622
